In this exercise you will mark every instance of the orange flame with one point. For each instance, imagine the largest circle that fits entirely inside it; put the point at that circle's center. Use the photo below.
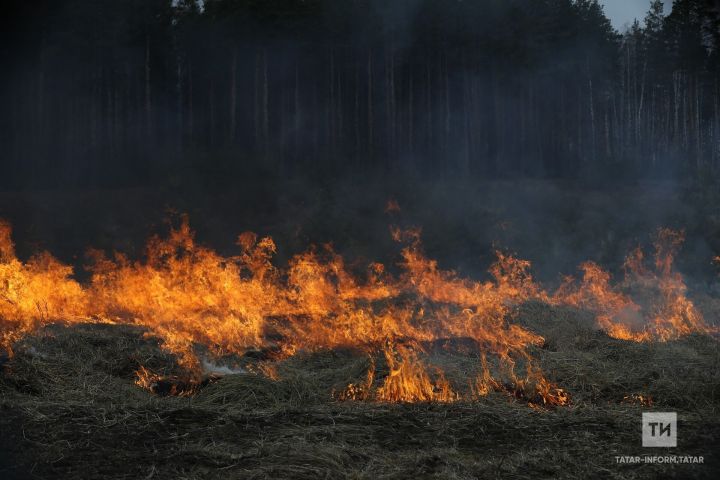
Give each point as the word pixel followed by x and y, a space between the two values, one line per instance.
pixel 409 381
pixel 35 292
pixel 660 309
pixel 187 294
pixel 392 206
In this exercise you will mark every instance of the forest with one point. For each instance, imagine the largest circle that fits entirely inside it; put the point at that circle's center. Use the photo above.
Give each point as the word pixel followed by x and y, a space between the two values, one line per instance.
pixel 107 92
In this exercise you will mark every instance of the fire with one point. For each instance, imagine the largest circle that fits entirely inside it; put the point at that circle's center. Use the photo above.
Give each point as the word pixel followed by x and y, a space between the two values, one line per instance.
pixel 170 385
pixel 649 304
pixel 146 379
pixel 615 311
pixel 34 293
pixel 409 380
pixel 392 206
pixel 638 399
pixel 189 295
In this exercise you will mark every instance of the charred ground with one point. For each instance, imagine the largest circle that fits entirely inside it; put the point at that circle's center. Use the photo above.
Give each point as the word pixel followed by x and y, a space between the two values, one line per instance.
pixel 71 393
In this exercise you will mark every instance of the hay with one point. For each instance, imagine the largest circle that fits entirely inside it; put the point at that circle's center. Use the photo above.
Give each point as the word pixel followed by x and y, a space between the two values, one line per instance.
pixel 70 409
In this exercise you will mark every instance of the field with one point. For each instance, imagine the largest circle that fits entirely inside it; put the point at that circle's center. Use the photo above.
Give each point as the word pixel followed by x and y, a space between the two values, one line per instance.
pixel 74 402
pixel 71 409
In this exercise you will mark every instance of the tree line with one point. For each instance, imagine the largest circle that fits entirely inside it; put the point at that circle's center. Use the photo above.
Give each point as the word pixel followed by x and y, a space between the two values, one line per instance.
pixel 124 91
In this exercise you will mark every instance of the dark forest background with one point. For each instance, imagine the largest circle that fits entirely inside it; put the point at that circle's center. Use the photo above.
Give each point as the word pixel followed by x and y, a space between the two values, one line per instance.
pixel 109 92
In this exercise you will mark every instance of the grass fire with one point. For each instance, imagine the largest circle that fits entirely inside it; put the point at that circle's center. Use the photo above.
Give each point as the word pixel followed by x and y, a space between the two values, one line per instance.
pixel 359 239
pixel 245 333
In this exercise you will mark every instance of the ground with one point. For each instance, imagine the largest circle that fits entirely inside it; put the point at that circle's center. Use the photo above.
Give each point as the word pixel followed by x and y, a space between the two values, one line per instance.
pixel 71 409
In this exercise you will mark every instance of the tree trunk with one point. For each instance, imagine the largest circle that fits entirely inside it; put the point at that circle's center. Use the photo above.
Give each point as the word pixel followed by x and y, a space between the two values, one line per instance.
pixel 370 135
pixel 233 96
pixel 148 93
pixel 265 107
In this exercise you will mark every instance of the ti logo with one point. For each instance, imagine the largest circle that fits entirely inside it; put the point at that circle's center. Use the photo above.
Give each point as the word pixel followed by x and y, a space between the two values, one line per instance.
pixel 659 429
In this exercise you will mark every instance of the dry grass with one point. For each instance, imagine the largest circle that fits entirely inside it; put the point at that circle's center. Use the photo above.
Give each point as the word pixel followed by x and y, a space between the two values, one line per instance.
pixel 70 409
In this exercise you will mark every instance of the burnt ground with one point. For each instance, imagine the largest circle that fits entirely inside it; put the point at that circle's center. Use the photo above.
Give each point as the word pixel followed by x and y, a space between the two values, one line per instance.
pixel 12 445
pixel 70 408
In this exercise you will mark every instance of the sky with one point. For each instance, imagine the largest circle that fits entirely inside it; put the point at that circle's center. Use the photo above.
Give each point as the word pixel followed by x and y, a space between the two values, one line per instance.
pixel 622 12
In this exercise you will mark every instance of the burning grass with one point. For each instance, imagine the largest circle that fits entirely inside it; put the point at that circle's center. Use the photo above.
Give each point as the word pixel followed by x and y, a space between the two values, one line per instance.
pixel 188 295
pixel 194 364
pixel 69 396
pixel 650 304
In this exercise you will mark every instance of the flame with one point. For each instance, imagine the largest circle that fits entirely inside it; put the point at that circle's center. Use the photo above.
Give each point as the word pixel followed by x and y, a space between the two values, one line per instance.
pixel 189 295
pixel 169 385
pixel 660 309
pixel 145 378
pixel 35 292
pixel 614 309
pixel 392 206
pixel 409 380
pixel 638 399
